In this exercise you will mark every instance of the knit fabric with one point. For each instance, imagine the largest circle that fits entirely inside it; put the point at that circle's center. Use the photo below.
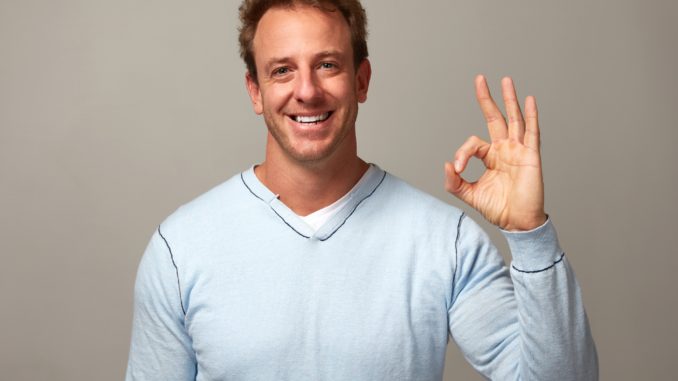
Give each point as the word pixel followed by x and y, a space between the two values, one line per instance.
pixel 235 286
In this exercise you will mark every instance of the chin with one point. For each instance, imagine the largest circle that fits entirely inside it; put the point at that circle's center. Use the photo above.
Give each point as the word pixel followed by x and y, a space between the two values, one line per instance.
pixel 310 156
pixel 310 147
pixel 313 153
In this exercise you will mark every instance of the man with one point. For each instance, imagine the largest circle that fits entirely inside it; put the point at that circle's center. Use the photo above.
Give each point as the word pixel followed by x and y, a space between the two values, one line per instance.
pixel 315 265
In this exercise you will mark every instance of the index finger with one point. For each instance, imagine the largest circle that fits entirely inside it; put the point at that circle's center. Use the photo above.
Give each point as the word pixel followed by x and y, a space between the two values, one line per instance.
pixel 493 116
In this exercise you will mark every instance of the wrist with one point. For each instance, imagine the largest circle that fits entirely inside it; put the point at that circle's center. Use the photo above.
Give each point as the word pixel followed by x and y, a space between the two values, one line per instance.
pixel 526 224
pixel 536 249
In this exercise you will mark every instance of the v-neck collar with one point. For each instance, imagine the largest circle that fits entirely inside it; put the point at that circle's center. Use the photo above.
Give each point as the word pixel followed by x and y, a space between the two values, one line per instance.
pixel 365 189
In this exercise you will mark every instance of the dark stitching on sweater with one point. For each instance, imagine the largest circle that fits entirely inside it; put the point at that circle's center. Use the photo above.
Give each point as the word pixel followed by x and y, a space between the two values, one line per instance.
pixel 356 207
pixel 248 188
pixel 456 252
pixel 242 178
pixel 274 211
pixel 181 301
pixel 538 271
pixel 287 223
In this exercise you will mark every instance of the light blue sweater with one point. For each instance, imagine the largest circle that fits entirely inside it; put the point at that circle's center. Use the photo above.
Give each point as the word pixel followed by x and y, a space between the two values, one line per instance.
pixel 235 286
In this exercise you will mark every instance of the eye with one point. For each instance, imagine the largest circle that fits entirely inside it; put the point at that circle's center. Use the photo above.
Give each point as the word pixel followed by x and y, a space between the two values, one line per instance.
pixel 327 65
pixel 281 71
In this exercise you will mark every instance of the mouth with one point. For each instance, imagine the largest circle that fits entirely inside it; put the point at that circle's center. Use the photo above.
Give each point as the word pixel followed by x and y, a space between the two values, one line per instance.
pixel 311 119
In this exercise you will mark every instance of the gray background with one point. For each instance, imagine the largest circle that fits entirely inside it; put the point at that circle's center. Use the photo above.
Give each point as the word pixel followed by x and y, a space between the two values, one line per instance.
pixel 113 113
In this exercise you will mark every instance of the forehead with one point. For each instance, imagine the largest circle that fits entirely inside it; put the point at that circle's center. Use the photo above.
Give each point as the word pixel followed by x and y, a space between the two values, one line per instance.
pixel 300 30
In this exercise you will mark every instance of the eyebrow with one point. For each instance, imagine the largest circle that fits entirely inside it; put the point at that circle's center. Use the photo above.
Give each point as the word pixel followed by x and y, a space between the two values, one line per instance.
pixel 329 53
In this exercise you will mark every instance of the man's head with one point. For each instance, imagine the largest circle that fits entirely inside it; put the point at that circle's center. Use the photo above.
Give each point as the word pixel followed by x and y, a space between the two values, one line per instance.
pixel 251 11
pixel 307 84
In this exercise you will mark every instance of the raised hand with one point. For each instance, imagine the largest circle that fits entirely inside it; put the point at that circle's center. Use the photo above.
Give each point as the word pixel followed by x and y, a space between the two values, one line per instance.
pixel 510 193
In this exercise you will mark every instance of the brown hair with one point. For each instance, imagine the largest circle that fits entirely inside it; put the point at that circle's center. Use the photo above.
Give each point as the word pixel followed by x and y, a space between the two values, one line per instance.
pixel 251 11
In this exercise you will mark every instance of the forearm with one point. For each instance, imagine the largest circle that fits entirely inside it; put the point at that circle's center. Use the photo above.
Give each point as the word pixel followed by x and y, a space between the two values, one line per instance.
pixel 524 323
pixel 556 341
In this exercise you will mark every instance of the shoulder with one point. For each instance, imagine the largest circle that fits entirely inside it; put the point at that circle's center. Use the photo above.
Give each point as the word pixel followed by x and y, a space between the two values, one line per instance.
pixel 399 197
pixel 216 207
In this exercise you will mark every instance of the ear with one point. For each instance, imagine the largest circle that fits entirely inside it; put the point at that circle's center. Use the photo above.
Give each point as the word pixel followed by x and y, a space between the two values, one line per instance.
pixel 362 79
pixel 255 93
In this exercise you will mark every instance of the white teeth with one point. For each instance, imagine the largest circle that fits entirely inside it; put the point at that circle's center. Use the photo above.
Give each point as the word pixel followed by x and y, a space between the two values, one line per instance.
pixel 311 119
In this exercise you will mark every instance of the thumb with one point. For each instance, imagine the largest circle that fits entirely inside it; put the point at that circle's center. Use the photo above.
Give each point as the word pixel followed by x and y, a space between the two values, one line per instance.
pixel 456 185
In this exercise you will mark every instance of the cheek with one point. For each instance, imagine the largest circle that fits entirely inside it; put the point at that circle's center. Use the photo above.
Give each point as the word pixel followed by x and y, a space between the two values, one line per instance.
pixel 276 97
pixel 340 91
pixel 345 83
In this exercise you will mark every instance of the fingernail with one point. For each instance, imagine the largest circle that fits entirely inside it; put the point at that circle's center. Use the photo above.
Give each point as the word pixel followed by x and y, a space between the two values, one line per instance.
pixel 457 166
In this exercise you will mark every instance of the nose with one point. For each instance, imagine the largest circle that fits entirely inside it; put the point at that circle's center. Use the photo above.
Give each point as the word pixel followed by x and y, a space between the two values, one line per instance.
pixel 307 87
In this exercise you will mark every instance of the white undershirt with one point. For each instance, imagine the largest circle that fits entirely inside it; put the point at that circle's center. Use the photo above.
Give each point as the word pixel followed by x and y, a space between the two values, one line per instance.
pixel 319 217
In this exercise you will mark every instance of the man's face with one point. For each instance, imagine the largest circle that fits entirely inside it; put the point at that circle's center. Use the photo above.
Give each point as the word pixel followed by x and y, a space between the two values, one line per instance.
pixel 308 89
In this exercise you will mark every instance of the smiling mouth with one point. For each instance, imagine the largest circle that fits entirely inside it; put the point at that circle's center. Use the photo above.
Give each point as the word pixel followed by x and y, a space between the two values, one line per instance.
pixel 311 119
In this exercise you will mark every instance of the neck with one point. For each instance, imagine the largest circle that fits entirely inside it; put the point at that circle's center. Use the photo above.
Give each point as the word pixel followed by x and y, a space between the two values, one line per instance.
pixel 306 187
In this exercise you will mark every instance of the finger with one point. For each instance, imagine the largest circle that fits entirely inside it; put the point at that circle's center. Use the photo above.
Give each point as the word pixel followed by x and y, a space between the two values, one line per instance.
pixel 532 139
pixel 516 124
pixel 495 120
pixel 456 185
pixel 473 146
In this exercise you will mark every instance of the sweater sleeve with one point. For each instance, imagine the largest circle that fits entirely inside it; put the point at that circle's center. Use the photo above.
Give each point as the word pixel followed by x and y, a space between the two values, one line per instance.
pixel 526 323
pixel 160 348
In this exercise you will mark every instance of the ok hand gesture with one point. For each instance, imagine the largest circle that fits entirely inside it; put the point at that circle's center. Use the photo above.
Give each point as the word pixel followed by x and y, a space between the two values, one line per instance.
pixel 510 194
